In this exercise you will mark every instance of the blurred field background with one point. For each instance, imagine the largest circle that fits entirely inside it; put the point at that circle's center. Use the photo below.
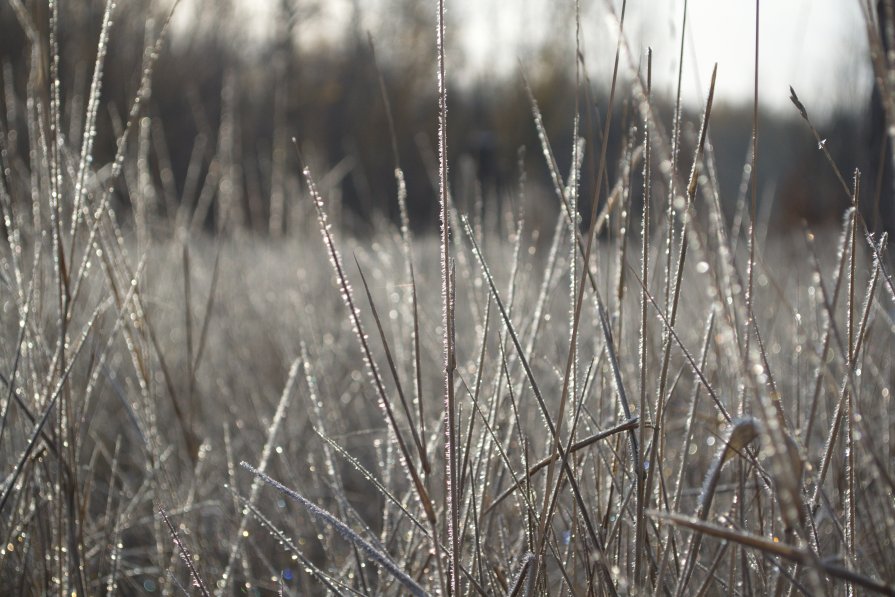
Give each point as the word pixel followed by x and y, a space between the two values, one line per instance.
pixel 235 82
pixel 231 249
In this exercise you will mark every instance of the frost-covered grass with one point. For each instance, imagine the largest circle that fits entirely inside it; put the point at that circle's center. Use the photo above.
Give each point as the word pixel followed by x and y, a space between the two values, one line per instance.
pixel 704 409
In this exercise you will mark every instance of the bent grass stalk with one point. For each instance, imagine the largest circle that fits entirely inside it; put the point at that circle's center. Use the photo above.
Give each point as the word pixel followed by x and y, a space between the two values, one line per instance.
pixel 344 530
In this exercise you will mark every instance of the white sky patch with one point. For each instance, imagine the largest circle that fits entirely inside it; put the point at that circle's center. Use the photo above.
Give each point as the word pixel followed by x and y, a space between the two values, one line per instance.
pixel 817 46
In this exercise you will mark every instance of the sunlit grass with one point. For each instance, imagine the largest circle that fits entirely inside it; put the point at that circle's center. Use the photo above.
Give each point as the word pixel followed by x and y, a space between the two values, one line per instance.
pixel 648 398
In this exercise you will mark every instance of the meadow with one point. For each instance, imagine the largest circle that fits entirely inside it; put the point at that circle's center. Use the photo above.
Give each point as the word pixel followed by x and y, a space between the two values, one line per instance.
pixel 660 395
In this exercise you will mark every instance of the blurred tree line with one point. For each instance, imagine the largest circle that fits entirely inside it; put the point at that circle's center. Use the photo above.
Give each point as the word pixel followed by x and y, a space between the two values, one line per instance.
pixel 215 141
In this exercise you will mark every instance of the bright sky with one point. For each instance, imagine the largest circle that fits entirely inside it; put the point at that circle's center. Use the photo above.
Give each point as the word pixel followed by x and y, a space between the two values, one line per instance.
pixel 817 46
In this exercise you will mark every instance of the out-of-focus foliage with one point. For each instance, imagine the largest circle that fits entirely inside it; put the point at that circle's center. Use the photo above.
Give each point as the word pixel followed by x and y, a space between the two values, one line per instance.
pixel 226 103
